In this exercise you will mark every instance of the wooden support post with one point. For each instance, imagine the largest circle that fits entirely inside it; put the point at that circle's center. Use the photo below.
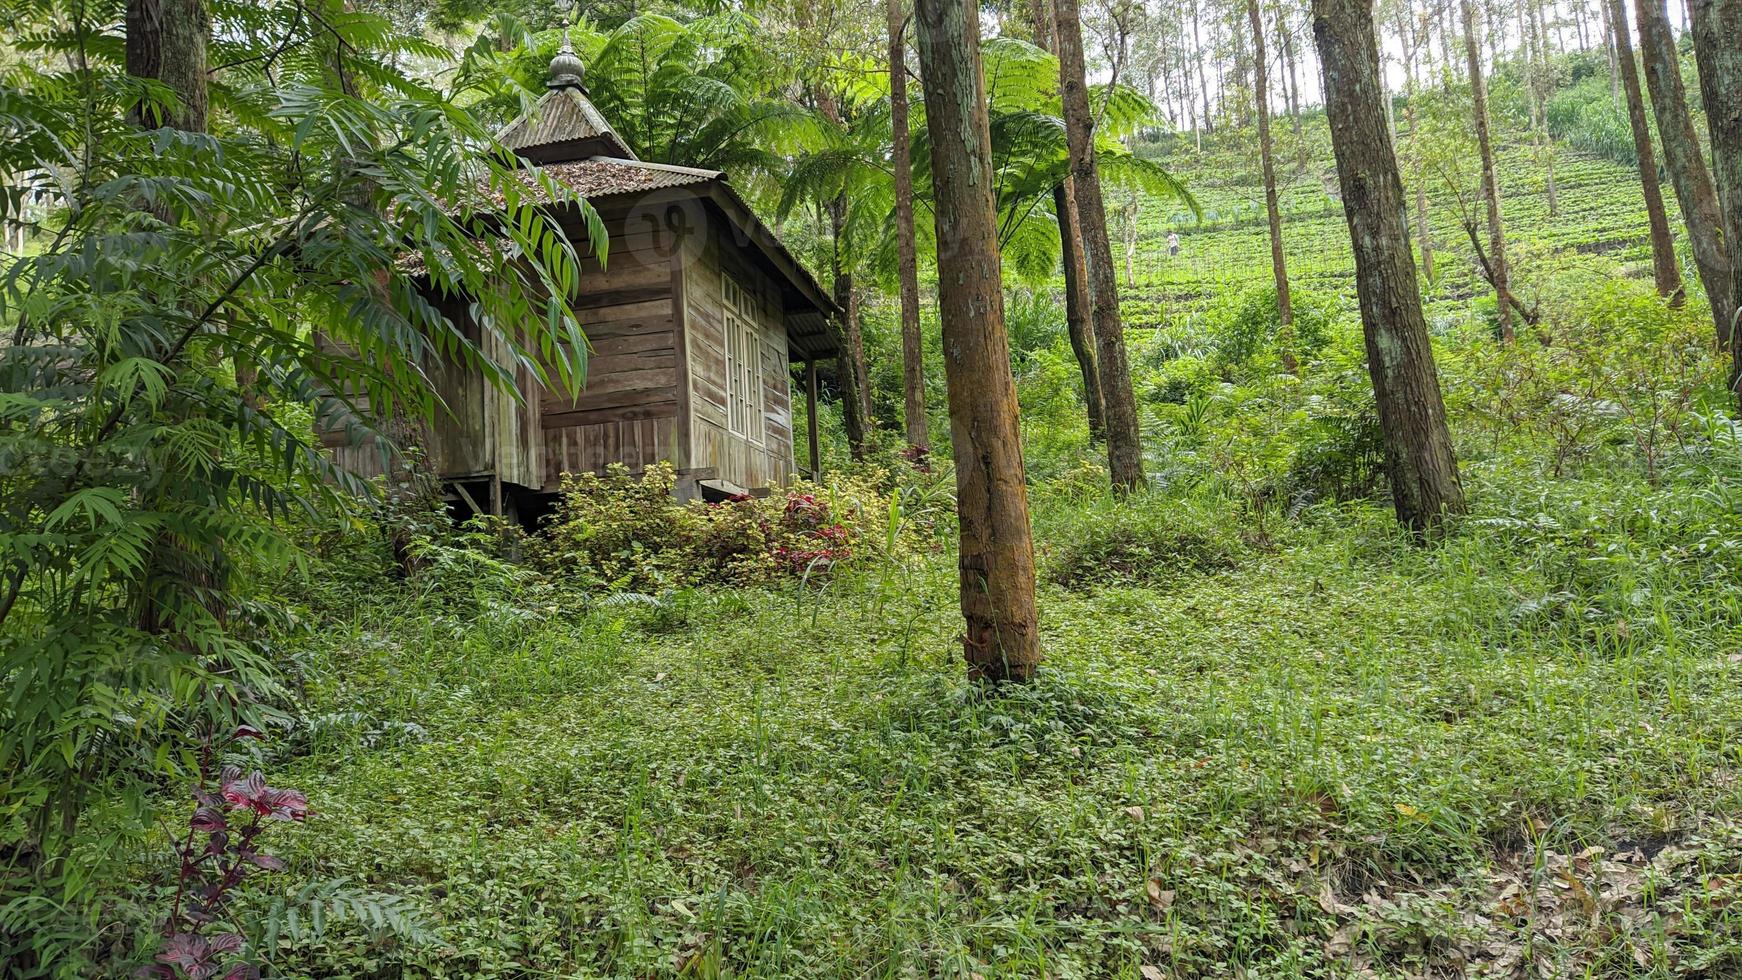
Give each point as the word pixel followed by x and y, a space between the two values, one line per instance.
pixel 495 495
pixel 810 400
pixel 467 497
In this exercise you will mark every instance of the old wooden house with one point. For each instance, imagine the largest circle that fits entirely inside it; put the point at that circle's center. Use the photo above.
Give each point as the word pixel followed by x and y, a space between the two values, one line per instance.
pixel 695 319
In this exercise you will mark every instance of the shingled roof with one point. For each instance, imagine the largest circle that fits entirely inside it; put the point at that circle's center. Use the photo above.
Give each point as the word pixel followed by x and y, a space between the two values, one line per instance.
pixel 564 125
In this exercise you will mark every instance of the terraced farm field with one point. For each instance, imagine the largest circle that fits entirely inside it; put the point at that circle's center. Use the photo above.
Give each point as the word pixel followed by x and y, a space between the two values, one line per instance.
pixel 1600 210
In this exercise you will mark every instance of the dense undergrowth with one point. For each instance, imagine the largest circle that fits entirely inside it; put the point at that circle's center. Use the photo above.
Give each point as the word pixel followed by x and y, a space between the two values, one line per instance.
pixel 1272 734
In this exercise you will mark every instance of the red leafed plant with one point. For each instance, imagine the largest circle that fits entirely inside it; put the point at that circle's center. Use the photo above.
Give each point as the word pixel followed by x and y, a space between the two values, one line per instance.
pixel 810 536
pixel 221 849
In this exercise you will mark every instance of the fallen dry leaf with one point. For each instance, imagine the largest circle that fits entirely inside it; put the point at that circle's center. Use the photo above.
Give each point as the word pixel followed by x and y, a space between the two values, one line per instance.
pixel 1159 897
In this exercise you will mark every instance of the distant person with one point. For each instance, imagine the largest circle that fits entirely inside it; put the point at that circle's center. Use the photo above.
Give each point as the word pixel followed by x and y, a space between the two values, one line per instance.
pixel 1173 243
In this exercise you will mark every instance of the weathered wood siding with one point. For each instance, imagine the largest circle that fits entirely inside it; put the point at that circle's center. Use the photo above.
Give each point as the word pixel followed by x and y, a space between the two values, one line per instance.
pixel 627 412
pixel 766 458
pixel 656 387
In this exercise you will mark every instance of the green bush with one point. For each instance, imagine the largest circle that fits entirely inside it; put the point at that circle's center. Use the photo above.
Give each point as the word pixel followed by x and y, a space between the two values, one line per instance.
pixel 1177 381
pixel 619 530
pixel 622 531
pixel 1139 538
pixel 1247 328
pixel 1587 116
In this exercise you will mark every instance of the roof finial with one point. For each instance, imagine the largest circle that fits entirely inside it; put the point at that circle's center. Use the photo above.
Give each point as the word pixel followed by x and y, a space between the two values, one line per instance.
pixel 566 70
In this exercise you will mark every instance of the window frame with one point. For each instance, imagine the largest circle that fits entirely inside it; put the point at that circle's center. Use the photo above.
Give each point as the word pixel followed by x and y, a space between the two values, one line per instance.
pixel 743 342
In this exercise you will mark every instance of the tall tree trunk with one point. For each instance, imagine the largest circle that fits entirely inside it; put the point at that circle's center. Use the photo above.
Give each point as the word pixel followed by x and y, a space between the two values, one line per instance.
pixel 1418 445
pixel 1663 267
pixel 1416 46
pixel 906 262
pixel 997 550
pixel 1261 99
pixel 1286 30
pixel 1609 48
pixel 1500 275
pixel 1687 168
pixel 1537 83
pixel 1124 450
pixel 1717 30
pixel 850 360
pixel 1079 307
pixel 1446 58
pixel 850 370
pixel 1203 74
pixel 166 41
pixel 1079 303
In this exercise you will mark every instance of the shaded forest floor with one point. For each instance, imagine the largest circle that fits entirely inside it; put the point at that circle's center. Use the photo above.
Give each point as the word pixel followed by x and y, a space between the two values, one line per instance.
pixel 1333 755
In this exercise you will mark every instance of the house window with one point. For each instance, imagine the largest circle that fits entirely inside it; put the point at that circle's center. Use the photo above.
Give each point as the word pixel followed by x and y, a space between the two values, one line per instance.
pixel 743 364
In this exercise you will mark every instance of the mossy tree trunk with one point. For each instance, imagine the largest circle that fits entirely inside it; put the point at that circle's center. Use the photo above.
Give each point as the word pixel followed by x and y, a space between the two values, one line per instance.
pixel 1687 167
pixel 1412 415
pixel 997 552
pixel 166 41
pixel 1124 448
pixel 1717 29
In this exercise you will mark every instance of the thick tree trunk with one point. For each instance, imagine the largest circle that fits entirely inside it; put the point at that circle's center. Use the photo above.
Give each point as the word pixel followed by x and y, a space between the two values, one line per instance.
pixel 166 41
pixel 997 550
pixel 1261 99
pixel 1124 450
pixel 906 262
pixel 1687 168
pixel 1663 267
pixel 1500 274
pixel 1418 445
pixel 1717 30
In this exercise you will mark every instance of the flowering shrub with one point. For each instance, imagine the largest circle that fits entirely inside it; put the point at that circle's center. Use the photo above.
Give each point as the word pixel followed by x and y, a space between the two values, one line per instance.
pixel 220 850
pixel 618 531
pixel 621 532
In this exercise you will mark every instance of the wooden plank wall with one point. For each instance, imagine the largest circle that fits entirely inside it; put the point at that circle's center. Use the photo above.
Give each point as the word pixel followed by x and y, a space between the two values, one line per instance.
pixel 651 364
pixel 712 444
pixel 627 411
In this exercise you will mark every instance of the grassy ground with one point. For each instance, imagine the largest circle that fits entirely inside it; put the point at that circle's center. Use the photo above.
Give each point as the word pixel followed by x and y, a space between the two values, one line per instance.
pixel 1332 755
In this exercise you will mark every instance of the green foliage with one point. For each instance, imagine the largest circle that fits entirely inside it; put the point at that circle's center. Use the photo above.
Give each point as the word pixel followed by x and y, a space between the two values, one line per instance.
pixel 622 532
pixel 1620 380
pixel 162 372
pixel 1246 327
pixel 1587 116
pixel 1149 538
